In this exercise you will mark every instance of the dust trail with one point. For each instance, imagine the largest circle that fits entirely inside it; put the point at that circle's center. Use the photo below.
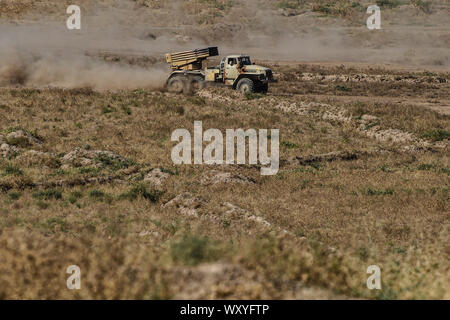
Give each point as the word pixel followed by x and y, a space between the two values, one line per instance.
pixel 76 71
pixel 46 56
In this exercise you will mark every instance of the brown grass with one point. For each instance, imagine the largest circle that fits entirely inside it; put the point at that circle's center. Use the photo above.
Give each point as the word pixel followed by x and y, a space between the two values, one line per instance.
pixel 326 221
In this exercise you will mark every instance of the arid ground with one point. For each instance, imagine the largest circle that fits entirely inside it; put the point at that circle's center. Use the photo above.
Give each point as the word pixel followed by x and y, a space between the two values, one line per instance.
pixel 86 176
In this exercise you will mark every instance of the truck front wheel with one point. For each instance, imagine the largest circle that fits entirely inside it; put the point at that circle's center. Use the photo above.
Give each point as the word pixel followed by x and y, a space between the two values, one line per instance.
pixel 246 85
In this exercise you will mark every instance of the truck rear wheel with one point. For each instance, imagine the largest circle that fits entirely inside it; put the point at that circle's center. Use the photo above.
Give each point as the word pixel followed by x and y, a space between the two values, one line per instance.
pixel 197 83
pixel 246 85
pixel 175 84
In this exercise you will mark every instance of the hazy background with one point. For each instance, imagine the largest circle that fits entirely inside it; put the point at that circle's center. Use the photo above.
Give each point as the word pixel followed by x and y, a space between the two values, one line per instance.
pixel 36 48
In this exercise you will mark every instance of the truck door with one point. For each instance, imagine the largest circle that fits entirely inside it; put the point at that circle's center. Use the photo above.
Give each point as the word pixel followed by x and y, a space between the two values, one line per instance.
pixel 222 69
pixel 231 72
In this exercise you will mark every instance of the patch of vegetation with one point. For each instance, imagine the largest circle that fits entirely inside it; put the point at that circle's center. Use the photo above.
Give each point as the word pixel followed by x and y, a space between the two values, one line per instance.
pixel 21 142
pixel 289 145
pixel 97 195
pixel 14 195
pixel 47 194
pixel 363 253
pixel 218 4
pixel 108 109
pixel 424 5
pixel 56 224
pixel 371 125
pixel 292 4
pixel 386 168
pixel 113 163
pixel 337 8
pixel 89 170
pixel 388 3
pixel 253 95
pixel 425 166
pixel 198 101
pixel 74 196
pixel 217 9
pixel 192 250
pixel 436 135
pixel 168 171
pixel 42 204
pixel 379 192
pixel 12 170
pixel 141 191
pixel 126 109
pixel 343 88
pixel 316 165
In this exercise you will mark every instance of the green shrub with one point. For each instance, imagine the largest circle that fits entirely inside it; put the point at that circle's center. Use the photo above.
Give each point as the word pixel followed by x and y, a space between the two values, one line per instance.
pixel 112 163
pixel 253 95
pixel 192 250
pixel 141 190
pixel 292 4
pixel 388 3
pixel 74 196
pixel 380 192
pixel 97 194
pixel 13 195
pixel 108 109
pixel 289 145
pixel 21 142
pixel 47 194
pixel 436 135
pixel 12 170
pixel 425 166
pixel 343 88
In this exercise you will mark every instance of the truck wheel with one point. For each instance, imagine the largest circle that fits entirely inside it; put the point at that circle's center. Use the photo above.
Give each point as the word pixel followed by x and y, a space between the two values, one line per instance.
pixel 246 85
pixel 197 83
pixel 175 84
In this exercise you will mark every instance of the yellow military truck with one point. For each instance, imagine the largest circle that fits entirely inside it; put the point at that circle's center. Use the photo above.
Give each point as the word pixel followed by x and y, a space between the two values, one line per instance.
pixel 235 71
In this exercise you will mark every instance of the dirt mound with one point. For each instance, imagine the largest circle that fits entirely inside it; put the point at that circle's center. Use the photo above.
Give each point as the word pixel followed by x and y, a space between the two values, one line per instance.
pixel 22 138
pixel 8 151
pixel 80 157
pixel 186 204
pixel 157 177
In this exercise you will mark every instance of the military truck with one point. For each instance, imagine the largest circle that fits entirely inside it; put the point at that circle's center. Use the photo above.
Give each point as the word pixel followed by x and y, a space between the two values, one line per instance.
pixel 189 72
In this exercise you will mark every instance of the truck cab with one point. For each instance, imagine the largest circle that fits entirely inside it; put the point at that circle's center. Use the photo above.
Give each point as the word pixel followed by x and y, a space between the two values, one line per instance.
pixel 235 68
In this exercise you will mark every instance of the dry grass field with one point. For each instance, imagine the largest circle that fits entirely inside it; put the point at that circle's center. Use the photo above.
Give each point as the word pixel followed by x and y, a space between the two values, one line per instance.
pixel 86 178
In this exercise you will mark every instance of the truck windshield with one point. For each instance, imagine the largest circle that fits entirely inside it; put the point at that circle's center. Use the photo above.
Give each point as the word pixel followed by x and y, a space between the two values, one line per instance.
pixel 245 61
